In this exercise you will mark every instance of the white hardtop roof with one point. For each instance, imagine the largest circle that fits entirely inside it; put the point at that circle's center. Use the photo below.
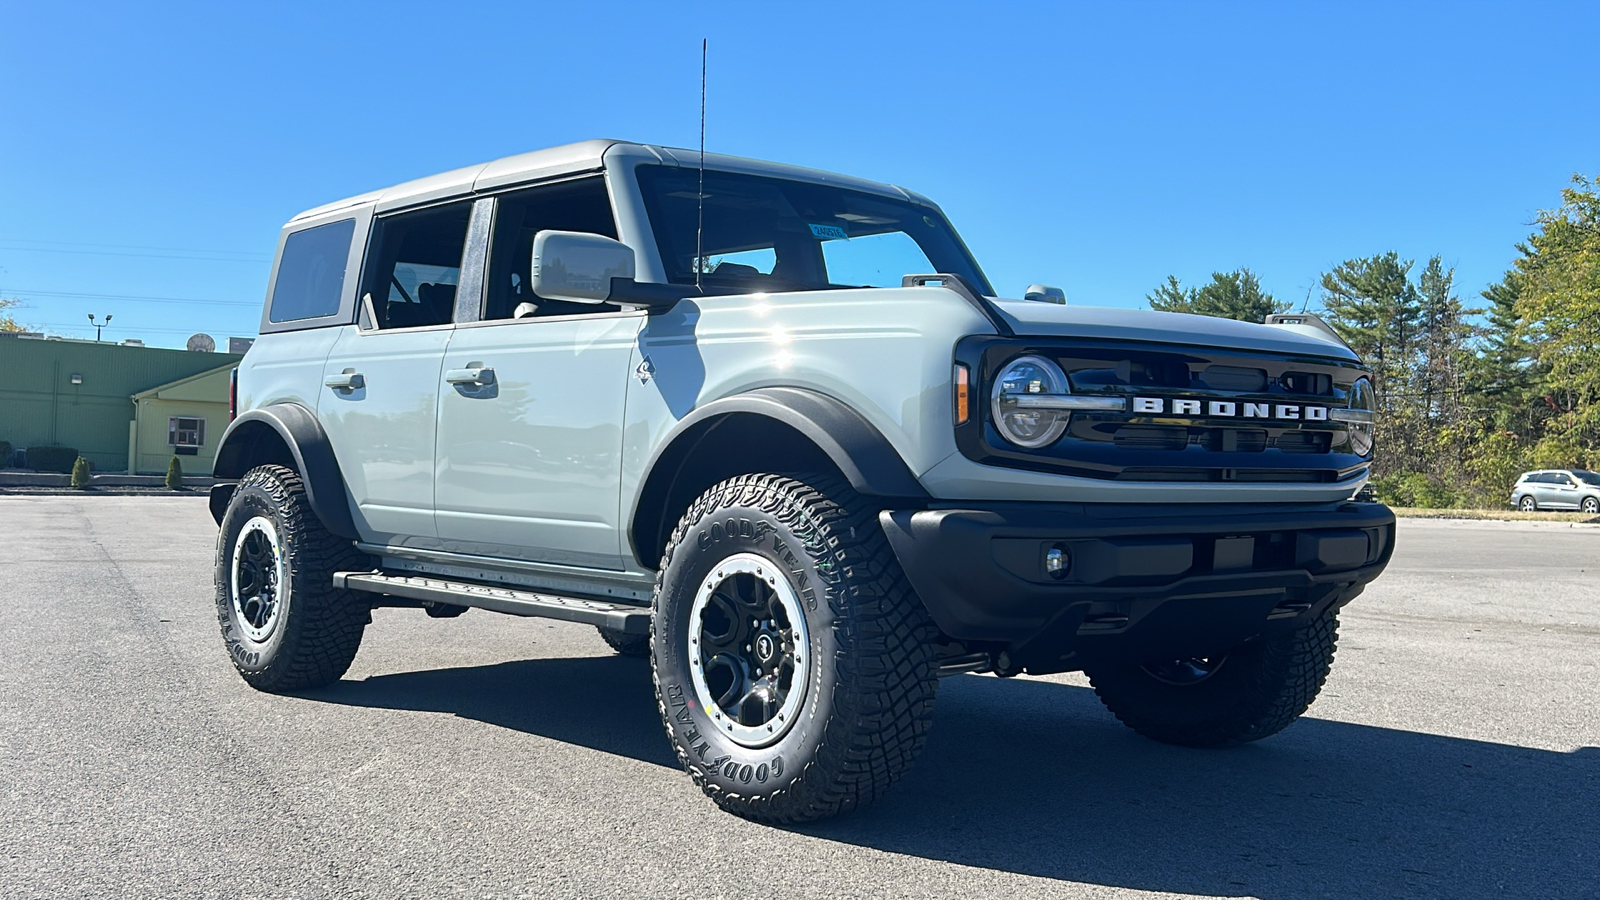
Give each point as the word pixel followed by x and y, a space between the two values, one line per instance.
pixel 583 156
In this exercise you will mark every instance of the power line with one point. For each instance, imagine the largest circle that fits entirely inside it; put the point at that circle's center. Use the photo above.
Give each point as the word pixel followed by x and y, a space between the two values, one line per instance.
pixel 255 253
pixel 254 262
pixel 132 329
pixel 133 297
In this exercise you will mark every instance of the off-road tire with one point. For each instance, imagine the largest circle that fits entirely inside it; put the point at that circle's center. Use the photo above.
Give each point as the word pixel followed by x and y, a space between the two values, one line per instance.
pixel 318 630
pixel 637 645
pixel 1260 689
pixel 873 673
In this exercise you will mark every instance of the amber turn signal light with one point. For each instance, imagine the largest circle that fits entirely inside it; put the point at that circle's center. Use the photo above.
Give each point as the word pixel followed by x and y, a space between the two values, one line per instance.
pixel 962 381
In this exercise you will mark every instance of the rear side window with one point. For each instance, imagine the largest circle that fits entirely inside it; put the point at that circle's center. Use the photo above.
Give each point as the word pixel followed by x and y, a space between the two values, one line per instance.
pixel 414 267
pixel 311 272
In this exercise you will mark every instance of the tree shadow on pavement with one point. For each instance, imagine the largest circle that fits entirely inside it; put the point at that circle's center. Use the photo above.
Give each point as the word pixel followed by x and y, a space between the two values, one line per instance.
pixel 1036 778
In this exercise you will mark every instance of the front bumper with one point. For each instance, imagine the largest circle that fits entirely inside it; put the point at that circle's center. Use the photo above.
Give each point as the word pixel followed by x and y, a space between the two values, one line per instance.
pixel 1160 581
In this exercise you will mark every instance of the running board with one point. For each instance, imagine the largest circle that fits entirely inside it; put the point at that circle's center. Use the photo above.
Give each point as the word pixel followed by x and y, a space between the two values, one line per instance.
pixel 623 617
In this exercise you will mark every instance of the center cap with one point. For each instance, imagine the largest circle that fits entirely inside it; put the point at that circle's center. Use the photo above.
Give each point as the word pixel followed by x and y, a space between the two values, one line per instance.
pixel 766 648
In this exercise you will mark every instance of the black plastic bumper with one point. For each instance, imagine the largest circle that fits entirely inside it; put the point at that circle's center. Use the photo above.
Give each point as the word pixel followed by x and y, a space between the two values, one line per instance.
pixel 1151 579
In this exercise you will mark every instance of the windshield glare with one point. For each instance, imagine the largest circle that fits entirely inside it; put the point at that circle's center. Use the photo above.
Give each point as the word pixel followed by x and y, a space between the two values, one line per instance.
pixel 769 234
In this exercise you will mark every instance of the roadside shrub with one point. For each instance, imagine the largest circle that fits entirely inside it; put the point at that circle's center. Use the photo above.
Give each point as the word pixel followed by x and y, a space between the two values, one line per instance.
pixel 174 475
pixel 5 454
pixel 80 474
pixel 1416 489
pixel 53 459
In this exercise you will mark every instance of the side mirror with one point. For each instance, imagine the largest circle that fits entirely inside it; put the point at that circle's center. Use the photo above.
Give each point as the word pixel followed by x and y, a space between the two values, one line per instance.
pixel 578 267
pixel 1044 293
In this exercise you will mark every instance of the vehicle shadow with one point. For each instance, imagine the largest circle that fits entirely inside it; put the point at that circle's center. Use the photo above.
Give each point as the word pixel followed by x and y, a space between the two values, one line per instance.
pixel 1035 778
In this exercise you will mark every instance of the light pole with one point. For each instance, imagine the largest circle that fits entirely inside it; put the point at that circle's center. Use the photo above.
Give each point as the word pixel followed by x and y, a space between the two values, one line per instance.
pixel 98 325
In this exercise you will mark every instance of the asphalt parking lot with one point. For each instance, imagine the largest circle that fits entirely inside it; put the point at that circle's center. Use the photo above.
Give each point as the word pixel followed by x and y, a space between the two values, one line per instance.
pixel 1454 753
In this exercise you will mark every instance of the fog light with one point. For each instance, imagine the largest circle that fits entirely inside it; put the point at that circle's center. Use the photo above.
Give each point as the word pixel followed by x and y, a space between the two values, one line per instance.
pixel 1057 562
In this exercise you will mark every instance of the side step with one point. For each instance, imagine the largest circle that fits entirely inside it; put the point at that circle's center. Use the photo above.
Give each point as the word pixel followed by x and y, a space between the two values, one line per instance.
pixel 623 617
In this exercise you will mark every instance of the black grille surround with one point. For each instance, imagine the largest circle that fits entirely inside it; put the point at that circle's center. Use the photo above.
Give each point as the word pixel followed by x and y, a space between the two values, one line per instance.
pixel 1135 446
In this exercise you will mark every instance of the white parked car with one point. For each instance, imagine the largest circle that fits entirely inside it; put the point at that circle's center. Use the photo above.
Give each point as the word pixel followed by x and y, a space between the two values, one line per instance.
pixel 773 428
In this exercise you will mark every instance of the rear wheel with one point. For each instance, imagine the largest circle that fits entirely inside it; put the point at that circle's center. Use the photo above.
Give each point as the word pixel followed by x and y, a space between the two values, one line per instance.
pixel 1252 692
pixel 1528 504
pixel 284 624
pixel 794 667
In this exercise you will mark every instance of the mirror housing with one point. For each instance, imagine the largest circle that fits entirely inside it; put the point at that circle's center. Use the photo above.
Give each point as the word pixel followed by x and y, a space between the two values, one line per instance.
pixel 577 267
pixel 1044 293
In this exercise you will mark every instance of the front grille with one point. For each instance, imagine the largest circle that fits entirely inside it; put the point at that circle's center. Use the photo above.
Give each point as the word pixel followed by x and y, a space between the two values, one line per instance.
pixel 1239 418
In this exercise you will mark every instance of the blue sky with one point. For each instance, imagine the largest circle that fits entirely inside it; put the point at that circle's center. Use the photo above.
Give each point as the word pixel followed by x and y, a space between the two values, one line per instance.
pixel 154 150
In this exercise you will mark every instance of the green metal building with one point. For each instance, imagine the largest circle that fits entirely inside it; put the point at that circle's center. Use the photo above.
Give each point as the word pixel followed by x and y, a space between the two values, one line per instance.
pixel 81 394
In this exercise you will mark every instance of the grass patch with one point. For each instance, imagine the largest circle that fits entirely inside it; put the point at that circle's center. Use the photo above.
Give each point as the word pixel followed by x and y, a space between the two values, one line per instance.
pixel 1503 515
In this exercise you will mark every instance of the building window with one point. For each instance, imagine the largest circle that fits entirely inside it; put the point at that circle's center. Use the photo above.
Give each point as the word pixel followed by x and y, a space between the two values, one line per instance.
pixel 186 432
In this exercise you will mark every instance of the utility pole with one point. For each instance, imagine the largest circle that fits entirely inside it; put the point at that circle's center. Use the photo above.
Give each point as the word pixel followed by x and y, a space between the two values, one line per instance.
pixel 98 325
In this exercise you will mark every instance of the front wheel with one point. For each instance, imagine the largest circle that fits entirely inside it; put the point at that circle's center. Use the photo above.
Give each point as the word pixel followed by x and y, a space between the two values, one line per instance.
pixel 1252 692
pixel 794 667
pixel 284 624
pixel 1591 505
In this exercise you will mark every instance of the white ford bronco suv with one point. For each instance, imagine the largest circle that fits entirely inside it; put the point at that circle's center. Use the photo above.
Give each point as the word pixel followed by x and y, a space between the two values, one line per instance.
pixel 772 428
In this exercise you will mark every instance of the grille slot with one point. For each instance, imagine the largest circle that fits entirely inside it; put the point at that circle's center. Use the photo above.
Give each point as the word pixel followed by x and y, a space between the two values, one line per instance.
pixel 1316 384
pixel 1304 441
pixel 1151 437
pixel 1234 440
pixel 1233 378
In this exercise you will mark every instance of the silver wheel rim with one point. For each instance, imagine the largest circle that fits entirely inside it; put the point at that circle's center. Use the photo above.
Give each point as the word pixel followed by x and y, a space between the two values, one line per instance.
pixel 257 588
pixel 749 650
pixel 1528 504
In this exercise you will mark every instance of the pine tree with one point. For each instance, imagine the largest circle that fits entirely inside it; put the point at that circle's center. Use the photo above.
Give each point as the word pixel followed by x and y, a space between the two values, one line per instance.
pixel 1229 295
pixel 174 475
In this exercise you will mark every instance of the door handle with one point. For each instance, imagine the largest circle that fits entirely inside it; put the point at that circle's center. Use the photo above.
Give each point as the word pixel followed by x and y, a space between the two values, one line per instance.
pixel 348 380
pixel 476 375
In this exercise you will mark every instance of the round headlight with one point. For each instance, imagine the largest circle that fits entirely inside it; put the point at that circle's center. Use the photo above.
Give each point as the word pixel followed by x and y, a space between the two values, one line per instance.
pixel 1021 425
pixel 1362 397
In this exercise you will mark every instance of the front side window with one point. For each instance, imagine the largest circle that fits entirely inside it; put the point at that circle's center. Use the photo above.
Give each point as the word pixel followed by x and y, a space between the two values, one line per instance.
pixel 413 267
pixel 186 432
pixel 582 205
pixel 771 234
pixel 311 272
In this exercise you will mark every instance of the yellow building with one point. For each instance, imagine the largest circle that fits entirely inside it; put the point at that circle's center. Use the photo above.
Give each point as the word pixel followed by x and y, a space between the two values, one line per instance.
pixel 184 418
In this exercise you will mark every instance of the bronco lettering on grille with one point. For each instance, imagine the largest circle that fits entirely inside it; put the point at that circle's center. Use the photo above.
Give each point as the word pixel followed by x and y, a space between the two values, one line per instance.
pixel 1228 409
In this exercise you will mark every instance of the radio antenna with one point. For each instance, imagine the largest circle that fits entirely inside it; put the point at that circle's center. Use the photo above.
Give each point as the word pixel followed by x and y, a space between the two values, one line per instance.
pixel 700 195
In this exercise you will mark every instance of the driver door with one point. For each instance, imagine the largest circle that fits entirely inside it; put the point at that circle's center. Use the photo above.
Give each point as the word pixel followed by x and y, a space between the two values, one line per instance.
pixel 531 402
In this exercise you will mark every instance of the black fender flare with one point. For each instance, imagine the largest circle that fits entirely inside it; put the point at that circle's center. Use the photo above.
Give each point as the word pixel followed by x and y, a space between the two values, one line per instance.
pixel 860 452
pixel 307 444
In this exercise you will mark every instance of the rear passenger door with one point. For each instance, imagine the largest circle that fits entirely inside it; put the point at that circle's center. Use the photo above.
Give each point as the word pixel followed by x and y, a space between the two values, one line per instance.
pixel 381 381
pixel 1564 491
pixel 531 402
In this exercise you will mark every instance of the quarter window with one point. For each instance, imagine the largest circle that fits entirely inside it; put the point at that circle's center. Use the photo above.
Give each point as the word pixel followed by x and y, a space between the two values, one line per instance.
pixel 311 272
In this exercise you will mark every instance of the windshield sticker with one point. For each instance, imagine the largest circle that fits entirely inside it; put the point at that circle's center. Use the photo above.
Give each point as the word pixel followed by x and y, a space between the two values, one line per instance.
pixel 829 233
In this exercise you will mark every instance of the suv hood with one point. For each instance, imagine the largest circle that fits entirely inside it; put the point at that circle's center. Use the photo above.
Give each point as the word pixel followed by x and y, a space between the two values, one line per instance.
pixel 1033 318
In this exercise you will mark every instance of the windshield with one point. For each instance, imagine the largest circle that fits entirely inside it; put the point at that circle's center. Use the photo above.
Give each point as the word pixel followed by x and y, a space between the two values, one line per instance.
pixel 769 234
pixel 1588 477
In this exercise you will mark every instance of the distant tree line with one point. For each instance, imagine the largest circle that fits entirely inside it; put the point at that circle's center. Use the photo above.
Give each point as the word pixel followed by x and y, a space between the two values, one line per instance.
pixel 1468 396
